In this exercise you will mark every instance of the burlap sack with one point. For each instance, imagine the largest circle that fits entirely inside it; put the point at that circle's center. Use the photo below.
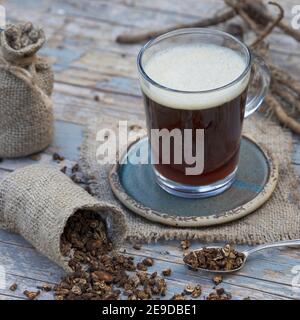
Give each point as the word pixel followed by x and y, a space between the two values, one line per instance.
pixel 26 83
pixel 37 201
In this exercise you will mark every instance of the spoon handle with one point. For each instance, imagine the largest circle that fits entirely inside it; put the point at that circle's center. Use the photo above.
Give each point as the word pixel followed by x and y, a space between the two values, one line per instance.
pixel 287 243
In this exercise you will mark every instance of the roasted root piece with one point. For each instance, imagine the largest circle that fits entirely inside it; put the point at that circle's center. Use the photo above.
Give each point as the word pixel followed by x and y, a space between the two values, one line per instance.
pixel 282 116
pixel 98 272
pixel 215 259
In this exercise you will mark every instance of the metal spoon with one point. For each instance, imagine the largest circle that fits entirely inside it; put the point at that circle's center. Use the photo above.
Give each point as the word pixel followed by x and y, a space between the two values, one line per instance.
pixel 247 253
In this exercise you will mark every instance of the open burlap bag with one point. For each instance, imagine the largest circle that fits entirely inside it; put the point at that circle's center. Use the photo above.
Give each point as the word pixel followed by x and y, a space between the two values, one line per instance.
pixel 37 201
pixel 26 83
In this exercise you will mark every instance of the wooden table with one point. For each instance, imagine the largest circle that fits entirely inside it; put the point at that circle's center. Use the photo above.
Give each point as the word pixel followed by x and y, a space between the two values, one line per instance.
pixel 88 63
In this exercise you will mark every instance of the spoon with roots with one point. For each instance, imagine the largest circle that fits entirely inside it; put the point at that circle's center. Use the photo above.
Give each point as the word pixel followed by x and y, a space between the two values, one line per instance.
pixel 244 255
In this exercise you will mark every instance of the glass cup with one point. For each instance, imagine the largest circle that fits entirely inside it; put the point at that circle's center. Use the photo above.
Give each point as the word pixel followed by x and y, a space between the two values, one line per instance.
pixel 211 119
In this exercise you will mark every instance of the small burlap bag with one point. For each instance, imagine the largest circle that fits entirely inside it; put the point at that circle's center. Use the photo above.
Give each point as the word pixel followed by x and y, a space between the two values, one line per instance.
pixel 37 201
pixel 26 83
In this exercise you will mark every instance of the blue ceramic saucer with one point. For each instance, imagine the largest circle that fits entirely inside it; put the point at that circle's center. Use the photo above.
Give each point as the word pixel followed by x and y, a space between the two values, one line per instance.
pixel 136 188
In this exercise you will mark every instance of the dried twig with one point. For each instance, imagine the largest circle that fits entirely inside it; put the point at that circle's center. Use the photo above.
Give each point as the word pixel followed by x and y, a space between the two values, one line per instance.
pixel 255 11
pixel 139 37
pixel 285 78
pixel 236 30
pixel 270 27
pixel 252 7
pixel 281 114
pixel 239 10
pixel 286 95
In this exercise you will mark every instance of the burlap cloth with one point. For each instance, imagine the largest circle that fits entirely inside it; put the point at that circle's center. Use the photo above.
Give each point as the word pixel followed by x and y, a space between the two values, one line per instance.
pixel 37 201
pixel 278 219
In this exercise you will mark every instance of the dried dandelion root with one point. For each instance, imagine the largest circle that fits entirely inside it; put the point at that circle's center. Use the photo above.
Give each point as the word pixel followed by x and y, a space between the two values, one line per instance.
pixel 282 116
pixel 240 11
pixel 285 94
pixel 256 11
pixel 270 27
pixel 284 78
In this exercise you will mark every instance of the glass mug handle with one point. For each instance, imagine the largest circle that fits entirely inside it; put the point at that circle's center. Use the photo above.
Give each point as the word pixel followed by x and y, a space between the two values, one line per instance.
pixel 260 81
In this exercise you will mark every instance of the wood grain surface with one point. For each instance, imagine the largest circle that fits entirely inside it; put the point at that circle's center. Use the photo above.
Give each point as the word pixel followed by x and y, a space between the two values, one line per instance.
pixel 88 63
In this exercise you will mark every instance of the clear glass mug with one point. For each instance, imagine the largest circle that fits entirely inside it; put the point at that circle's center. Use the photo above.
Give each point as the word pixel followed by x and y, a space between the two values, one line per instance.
pixel 221 121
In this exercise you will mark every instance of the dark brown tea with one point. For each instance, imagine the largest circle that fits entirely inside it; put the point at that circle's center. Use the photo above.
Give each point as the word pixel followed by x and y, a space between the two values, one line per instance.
pixel 222 132
pixel 196 87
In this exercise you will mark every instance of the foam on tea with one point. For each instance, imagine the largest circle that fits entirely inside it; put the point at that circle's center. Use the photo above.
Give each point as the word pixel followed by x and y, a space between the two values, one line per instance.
pixel 195 68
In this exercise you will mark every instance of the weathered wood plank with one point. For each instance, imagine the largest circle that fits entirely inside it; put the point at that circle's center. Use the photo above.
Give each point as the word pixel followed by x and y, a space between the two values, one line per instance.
pixel 171 249
pixel 273 266
pixel 66 142
pixel 7 237
pixel 78 105
pixel 24 284
pixel 119 13
pixel 8 297
pixel 276 261
pixel 188 7
pixel 111 12
pixel 99 82
pixel 180 273
pixel 28 263
pixel 31 266
pixel 192 7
